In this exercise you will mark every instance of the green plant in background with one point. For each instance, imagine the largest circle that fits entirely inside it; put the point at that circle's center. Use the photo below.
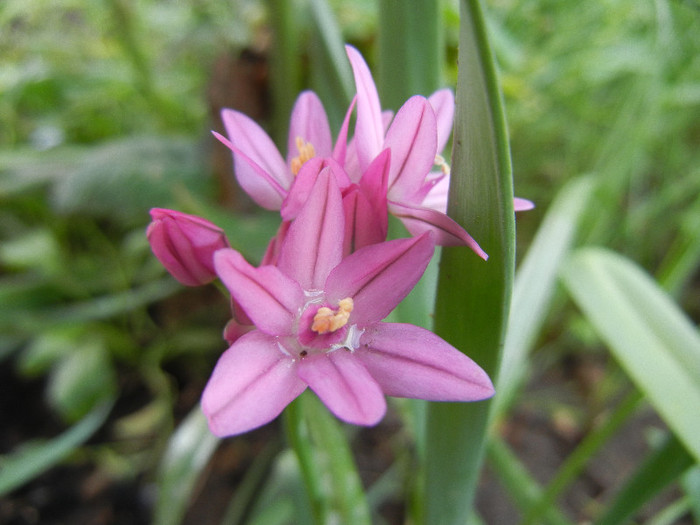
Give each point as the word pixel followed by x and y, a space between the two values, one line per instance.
pixel 607 89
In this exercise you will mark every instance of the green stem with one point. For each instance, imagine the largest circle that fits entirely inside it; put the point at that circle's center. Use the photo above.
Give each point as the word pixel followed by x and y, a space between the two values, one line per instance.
pixel 300 440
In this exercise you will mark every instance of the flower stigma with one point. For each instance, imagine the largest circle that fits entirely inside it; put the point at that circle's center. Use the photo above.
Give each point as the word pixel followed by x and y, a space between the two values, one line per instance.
pixel 327 320
pixel 306 152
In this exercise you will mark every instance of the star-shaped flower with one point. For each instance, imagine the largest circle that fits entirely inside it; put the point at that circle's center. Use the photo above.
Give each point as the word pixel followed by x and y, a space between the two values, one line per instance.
pixel 318 324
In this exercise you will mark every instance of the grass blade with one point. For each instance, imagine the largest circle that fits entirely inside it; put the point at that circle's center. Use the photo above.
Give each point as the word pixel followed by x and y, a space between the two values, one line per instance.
pixel 534 285
pixel 188 453
pixel 23 466
pixel 649 336
pixel 663 466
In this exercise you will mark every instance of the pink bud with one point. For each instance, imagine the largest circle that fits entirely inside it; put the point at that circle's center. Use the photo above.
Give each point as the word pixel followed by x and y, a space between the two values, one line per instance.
pixel 185 245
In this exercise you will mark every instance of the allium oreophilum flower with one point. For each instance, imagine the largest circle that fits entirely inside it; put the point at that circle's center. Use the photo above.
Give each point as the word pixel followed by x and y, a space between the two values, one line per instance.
pixel 310 315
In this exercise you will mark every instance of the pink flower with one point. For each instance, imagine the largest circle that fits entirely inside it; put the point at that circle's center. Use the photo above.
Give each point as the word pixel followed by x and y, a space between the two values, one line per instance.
pixel 318 324
pixel 413 140
pixel 416 135
pixel 259 167
pixel 185 245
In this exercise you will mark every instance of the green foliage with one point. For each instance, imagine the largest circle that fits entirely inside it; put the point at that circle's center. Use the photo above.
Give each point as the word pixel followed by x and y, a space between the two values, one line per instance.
pixel 104 114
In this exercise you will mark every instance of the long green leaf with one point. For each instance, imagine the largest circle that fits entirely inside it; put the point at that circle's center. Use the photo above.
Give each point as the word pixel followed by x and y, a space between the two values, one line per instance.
pixel 410 49
pixel 285 65
pixel 23 466
pixel 522 488
pixel 331 74
pixel 663 466
pixel 534 285
pixel 650 337
pixel 188 452
pixel 473 295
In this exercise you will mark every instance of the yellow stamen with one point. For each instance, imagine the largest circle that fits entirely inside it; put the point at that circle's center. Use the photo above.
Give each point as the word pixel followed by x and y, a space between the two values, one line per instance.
pixel 327 320
pixel 442 164
pixel 306 152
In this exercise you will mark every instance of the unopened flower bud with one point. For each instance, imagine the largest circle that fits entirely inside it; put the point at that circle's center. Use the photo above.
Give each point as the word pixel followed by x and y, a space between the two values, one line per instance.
pixel 185 245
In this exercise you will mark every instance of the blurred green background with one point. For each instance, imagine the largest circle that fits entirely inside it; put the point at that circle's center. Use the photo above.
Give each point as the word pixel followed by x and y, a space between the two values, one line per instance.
pixel 106 109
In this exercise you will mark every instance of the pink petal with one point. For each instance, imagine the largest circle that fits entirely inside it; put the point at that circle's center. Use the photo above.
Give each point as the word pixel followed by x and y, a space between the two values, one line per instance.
pixel 304 183
pixel 522 204
pixel 409 361
pixel 250 386
pixel 369 130
pixel 263 187
pixel 314 243
pixel 447 232
pixel 344 386
pixel 435 197
pixel 443 103
pixel 341 145
pixel 378 277
pixel 366 218
pixel 375 180
pixel 412 138
pixel 365 224
pixel 310 123
pixel 268 297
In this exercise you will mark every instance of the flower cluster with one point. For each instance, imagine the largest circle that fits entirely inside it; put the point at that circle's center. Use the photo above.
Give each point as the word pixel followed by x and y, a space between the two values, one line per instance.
pixel 311 314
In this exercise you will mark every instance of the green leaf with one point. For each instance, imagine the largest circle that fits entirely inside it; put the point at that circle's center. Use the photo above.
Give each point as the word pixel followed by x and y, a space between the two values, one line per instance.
pixel 82 379
pixel 691 486
pixel 125 178
pixel 188 452
pixel 534 285
pixel 331 74
pixel 521 487
pixel 647 333
pixel 410 50
pixel 473 296
pixel 663 466
pixel 22 466
pixel 285 65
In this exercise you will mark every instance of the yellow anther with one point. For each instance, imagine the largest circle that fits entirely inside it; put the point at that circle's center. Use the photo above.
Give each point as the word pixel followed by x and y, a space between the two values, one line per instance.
pixel 444 166
pixel 306 152
pixel 327 320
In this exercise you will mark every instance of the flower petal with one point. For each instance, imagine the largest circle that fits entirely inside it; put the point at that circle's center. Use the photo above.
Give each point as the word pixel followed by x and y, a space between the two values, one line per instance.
pixel 310 123
pixel 341 144
pixel 365 223
pixel 412 138
pixel 409 361
pixel 520 204
pixel 253 147
pixel 270 298
pixel 436 191
pixel 304 183
pixel 366 218
pixel 369 130
pixel 344 386
pixel 250 386
pixel 378 277
pixel 443 103
pixel 264 188
pixel 418 220
pixel 314 243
